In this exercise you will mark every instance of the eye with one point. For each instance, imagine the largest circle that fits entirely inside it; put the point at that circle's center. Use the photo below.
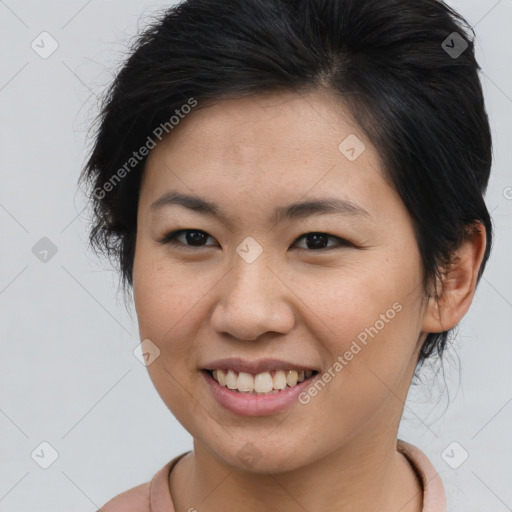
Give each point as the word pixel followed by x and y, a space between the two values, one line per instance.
pixel 317 241
pixel 196 238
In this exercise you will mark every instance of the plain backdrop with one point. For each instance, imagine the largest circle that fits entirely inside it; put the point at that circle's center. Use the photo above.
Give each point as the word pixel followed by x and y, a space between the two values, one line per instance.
pixel 69 378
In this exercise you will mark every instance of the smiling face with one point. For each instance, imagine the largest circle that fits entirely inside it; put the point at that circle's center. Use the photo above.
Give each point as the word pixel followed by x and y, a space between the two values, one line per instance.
pixel 247 283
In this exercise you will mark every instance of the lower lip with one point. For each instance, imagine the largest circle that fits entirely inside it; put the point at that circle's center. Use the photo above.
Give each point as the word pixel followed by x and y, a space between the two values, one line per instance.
pixel 246 404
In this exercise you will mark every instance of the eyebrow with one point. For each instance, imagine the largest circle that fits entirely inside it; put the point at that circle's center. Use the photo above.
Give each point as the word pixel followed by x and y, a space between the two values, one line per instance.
pixel 328 205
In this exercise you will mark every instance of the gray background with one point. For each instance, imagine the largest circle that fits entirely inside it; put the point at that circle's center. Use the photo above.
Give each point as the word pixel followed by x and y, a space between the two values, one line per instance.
pixel 68 373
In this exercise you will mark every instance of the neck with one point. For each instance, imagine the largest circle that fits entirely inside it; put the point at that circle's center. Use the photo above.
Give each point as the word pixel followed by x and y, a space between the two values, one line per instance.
pixel 365 475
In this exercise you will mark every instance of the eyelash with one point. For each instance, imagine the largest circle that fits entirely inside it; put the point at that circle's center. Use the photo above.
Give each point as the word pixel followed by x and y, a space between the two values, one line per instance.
pixel 170 239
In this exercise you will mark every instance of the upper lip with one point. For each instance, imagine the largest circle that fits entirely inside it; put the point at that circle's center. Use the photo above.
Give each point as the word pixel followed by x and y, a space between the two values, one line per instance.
pixel 255 367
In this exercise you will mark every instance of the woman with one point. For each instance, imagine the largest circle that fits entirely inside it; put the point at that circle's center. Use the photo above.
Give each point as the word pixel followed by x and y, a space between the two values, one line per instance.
pixel 294 190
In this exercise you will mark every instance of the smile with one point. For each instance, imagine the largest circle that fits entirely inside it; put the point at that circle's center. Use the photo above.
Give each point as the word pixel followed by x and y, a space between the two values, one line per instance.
pixel 257 394
pixel 263 383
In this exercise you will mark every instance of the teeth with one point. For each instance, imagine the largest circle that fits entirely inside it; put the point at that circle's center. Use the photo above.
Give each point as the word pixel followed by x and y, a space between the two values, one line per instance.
pixel 221 377
pixel 245 382
pixel 231 379
pixel 291 378
pixel 279 380
pixel 261 383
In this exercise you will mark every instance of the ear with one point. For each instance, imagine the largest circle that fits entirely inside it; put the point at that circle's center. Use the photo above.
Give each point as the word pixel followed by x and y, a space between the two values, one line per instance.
pixel 458 285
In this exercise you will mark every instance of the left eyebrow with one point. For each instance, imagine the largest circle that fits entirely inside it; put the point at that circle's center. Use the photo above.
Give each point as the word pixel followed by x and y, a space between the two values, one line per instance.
pixel 293 211
pixel 318 207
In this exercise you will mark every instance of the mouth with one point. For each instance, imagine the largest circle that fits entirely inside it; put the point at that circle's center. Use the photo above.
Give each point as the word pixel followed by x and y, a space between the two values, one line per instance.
pixel 262 383
pixel 257 387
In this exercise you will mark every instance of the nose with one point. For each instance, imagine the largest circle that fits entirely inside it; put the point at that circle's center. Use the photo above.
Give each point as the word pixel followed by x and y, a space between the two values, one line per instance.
pixel 253 300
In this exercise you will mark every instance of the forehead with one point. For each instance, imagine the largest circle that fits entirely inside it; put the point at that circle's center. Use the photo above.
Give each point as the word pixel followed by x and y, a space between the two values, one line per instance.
pixel 265 124
pixel 271 147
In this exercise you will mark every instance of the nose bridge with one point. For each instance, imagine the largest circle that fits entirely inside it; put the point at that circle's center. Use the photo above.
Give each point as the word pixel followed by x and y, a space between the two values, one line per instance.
pixel 251 278
pixel 252 299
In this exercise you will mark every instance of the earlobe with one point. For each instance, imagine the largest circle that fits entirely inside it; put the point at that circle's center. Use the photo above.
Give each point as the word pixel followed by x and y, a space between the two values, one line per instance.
pixel 457 288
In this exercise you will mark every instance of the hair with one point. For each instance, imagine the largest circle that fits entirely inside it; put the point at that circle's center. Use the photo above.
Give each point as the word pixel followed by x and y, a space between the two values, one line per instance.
pixel 387 61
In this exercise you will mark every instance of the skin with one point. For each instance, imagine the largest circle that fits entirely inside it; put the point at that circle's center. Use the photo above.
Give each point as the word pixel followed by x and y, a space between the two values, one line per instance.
pixel 197 304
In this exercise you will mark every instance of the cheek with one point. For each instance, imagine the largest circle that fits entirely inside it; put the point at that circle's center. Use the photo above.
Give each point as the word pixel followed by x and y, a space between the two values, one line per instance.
pixel 370 324
pixel 172 306
pixel 167 304
pixel 364 301
pixel 163 296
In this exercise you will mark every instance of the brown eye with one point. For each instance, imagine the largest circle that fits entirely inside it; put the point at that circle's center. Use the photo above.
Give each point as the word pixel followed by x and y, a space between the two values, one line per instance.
pixel 187 238
pixel 319 241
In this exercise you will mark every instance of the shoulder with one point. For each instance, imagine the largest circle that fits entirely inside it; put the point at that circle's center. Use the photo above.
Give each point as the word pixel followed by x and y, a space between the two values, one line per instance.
pixel 434 497
pixel 151 496
pixel 136 499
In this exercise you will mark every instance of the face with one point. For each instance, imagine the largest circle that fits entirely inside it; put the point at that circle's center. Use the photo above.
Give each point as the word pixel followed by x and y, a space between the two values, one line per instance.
pixel 335 291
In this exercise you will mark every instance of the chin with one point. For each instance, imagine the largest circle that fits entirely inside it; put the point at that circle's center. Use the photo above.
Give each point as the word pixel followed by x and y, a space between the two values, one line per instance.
pixel 245 453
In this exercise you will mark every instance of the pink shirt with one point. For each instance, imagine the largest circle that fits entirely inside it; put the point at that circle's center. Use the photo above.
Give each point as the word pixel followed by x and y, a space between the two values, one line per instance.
pixel 155 496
